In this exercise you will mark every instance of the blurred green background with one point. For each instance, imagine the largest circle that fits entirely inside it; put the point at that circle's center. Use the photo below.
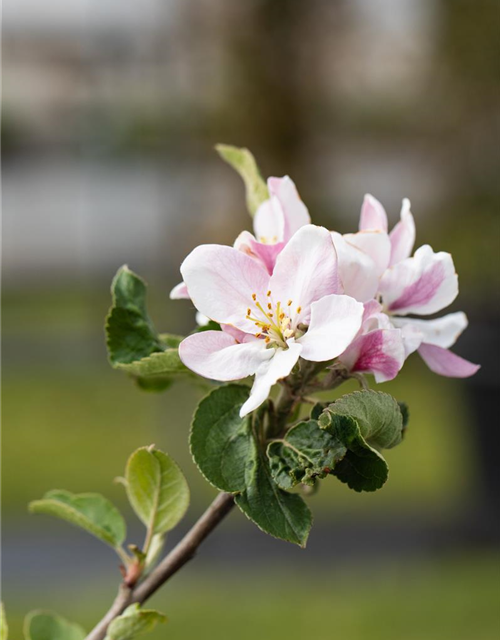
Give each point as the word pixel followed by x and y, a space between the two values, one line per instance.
pixel 110 114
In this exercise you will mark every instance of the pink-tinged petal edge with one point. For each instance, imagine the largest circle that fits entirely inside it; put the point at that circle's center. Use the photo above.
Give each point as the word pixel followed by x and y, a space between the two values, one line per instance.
pixel 180 292
pixel 221 282
pixel 446 363
pixel 306 271
pixel 380 352
pixel 295 211
pixel 216 355
pixel 373 216
pixel 403 235
pixel 423 284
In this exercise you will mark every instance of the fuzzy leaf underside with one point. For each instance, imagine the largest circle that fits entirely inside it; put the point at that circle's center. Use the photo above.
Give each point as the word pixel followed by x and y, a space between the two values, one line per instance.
pixel 157 489
pixel 45 625
pixel 134 622
pixel 244 163
pixel 89 511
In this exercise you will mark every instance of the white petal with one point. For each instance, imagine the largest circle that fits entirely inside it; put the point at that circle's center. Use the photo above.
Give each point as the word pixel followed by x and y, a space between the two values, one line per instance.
pixel 403 235
pixel 268 374
pixel 216 355
pixel 443 332
pixel 221 281
pixel 202 320
pixel 335 321
pixel 373 215
pixel 179 292
pixel 357 270
pixel 295 211
pixel 374 243
pixel 269 222
pixel 423 284
pixel 305 271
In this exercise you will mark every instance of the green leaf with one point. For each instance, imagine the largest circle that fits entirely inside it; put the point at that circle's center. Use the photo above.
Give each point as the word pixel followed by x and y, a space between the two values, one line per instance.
pixel 306 453
pixel 378 416
pixel 221 442
pixel 364 421
pixel 90 511
pixel 281 514
pixel 156 365
pixel 244 163
pixel 4 629
pixel 45 625
pixel 134 346
pixel 405 413
pixel 156 489
pixel 130 332
pixel 362 468
pixel 134 622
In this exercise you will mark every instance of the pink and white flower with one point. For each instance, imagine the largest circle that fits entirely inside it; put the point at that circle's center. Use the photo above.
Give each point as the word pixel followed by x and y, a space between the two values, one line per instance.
pixel 421 285
pixel 274 223
pixel 378 348
pixel 268 320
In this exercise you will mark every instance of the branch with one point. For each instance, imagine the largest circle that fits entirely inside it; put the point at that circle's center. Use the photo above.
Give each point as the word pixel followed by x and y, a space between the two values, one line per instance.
pixel 175 560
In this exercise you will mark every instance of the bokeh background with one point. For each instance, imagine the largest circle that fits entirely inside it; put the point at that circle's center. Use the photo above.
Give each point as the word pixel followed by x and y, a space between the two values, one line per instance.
pixel 110 114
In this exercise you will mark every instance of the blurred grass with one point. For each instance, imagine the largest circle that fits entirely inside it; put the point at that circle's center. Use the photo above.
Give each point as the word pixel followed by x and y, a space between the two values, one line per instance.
pixel 455 598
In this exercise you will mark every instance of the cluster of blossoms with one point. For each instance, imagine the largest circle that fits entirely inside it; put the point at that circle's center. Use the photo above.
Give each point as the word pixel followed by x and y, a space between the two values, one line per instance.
pixel 296 290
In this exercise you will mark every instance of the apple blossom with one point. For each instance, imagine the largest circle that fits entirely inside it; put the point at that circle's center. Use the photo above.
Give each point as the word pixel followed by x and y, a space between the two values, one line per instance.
pixel 422 284
pixel 268 321
pixel 274 223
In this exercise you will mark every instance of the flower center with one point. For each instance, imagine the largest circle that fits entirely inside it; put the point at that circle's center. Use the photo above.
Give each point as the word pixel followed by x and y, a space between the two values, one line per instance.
pixel 274 321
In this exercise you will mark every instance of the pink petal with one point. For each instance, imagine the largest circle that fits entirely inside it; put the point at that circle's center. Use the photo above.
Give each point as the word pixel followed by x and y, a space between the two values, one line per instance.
pixel 373 215
pixel 442 332
pixel 423 284
pixel 221 281
pixel 403 235
pixel 179 292
pixel 295 211
pixel 216 355
pixel 380 352
pixel 446 363
pixel 357 270
pixel 264 254
pixel 335 321
pixel 375 244
pixel 268 374
pixel 305 271
pixel 269 222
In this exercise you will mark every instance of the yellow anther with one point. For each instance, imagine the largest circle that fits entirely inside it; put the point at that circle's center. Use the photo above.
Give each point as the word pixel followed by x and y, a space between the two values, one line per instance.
pixel 270 315
pixel 254 296
pixel 249 311
pixel 257 335
pixel 289 302
pixel 282 315
pixel 268 293
pixel 268 339
pixel 269 305
pixel 299 309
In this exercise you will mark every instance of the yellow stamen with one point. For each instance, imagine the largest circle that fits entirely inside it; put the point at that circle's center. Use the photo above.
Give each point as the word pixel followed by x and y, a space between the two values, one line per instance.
pixel 268 293
pixel 299 309
pixel 254 296
pixel 289 302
